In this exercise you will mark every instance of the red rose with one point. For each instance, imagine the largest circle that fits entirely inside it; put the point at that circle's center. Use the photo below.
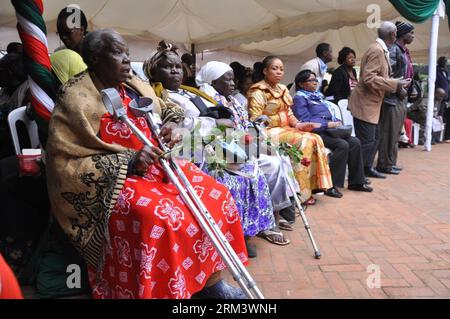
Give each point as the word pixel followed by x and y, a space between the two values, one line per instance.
pixel 305 162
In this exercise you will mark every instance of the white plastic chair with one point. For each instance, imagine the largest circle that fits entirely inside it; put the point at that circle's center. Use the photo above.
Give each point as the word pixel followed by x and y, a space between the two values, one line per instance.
pixel 347 117
pixel 19 115
pixel 335 110
pixel 439 126
pixel 416 130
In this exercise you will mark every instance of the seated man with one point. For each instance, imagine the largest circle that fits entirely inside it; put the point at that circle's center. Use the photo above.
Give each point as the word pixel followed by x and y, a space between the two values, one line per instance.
pixel 418 111
pixel 310 106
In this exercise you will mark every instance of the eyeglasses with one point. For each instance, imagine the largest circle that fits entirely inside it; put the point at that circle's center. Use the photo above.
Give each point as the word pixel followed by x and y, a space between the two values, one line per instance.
pixel 312 80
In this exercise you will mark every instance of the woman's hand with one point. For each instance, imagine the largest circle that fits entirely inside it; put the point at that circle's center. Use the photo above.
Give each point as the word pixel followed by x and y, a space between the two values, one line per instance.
pixel 225 122
pixel 334 124
pixel 144 158
pixel 167 135
pixel 307 126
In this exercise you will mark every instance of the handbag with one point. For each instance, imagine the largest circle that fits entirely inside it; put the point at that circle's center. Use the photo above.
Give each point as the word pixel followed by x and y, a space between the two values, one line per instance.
pixel 217 112
pixel 343 131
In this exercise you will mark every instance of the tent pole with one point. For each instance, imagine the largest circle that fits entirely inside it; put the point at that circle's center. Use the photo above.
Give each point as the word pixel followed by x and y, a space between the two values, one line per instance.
pixel 431 79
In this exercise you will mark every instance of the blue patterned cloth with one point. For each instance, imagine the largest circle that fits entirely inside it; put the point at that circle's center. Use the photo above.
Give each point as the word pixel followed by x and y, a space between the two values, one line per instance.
pixel 252 199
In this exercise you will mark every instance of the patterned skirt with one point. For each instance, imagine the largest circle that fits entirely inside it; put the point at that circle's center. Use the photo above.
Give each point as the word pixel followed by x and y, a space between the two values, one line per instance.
pixel 156 247
pixel 252 197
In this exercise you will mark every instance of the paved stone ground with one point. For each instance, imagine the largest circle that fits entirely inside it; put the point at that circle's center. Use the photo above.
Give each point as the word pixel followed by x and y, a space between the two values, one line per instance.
pixel 403 228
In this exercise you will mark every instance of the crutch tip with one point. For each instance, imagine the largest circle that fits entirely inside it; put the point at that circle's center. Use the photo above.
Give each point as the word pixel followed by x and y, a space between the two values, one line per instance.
pixel 317 254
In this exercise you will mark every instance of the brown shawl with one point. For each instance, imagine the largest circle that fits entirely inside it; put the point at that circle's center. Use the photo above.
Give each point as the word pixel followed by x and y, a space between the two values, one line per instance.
pixel 85 174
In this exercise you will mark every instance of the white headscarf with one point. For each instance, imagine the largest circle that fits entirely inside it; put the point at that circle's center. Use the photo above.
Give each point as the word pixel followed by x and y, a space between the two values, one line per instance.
pixel 211 71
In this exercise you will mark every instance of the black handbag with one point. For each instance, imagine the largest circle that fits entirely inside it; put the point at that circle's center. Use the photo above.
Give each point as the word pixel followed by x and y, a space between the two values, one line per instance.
pixel 343 131
pixel 217 112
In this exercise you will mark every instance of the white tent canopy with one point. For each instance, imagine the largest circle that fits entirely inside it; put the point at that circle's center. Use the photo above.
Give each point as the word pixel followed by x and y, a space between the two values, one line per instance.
pixel 284 27
pixel 210 23
pixel 358 37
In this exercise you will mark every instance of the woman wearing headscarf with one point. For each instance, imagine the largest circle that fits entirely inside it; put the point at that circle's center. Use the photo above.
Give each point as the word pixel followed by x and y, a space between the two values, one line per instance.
pixel 270 97
pixel 66 64
pixel 251 194
pixel 111 196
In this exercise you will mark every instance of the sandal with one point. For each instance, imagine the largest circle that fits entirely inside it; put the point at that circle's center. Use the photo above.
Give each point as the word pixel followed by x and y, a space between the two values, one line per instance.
pixel 310 202
pixel 283 224
pixel 274 237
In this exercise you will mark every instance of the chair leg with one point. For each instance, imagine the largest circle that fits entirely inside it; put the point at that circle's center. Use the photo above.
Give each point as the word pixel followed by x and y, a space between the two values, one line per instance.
pixel 416 129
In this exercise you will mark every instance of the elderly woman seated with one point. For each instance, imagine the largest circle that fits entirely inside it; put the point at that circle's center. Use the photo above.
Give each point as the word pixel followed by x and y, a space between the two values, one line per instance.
pixel 111 197
pixel 249 190
pixel 310 106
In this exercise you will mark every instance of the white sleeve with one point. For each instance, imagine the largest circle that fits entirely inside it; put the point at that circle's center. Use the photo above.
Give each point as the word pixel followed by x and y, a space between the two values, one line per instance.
pixel 192 118
pixel 206 124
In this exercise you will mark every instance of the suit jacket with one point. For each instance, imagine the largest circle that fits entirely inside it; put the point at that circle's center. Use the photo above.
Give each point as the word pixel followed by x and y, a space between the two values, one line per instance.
pixel 399 64
pixel 374 82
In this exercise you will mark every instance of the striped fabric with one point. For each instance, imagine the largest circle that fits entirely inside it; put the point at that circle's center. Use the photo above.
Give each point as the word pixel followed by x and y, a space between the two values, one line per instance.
pixel 33 33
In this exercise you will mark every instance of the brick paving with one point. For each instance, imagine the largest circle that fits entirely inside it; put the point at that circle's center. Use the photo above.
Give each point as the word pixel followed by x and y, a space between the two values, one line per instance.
pixel 403 228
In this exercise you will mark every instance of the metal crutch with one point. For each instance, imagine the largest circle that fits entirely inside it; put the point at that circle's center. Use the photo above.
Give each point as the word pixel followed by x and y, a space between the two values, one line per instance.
pixel 260 124
pixel 113 103
pixel 144 108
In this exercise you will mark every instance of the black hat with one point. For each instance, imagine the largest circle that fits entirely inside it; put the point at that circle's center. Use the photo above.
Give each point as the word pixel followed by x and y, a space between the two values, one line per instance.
pixel 403 28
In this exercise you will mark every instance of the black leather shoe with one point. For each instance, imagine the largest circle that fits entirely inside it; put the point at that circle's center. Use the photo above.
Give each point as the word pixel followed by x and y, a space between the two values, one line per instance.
pixel 373 173
pixel 333 192
pixel 397 168
pixel 390 171
pixel 360 188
